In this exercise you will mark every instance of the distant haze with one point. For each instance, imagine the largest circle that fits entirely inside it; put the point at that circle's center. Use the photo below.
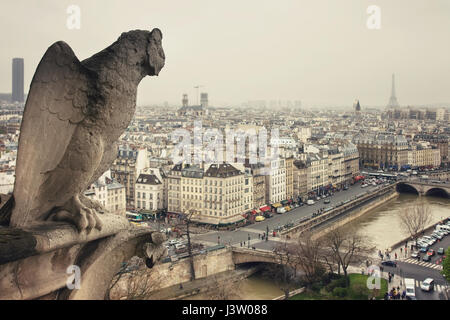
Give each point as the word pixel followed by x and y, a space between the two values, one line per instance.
pixel 320 52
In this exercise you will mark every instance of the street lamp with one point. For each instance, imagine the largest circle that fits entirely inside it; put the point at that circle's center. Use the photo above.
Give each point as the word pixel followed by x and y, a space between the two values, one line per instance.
pixel 267 234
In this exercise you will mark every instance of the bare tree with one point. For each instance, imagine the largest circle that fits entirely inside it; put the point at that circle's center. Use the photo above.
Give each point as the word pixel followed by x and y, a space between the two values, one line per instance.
pixel 414 219
pixel 189 213
pixel 286 261
pixel 225 289
pixel 134 281
pixel 346 247
pixel 307 253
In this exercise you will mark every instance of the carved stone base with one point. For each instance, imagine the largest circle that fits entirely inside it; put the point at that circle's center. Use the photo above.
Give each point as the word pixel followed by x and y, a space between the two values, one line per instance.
pixel 34 261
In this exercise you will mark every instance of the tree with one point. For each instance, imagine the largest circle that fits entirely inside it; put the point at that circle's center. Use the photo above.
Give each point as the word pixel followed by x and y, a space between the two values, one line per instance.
pixel 446 265
pixel 346 247
pixel 286 261
pixel 186 223
pixel 226 289
pixel 307 252
pixel 134 281
pixel 414 219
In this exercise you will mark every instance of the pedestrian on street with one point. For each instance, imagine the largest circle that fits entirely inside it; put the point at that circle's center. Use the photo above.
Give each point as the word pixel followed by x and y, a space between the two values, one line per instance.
pixel 241 243
pixel 403 294
pixel 401 250
pixel 396 256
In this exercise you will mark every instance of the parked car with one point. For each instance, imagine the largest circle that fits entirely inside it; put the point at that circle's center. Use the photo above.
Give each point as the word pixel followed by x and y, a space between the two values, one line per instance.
pixel 415 254
pixel 427 284
pixel 423 249
pixel 259 218
pixel 327 201
pixel 437 235
pixel 389 263
pixel 426 258
pixel 421 244
pixel 431 252
pixel 310 202
pixel 440 251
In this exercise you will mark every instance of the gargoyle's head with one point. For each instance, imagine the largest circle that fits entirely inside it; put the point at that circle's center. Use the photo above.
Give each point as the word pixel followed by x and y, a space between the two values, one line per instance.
pixel 155 52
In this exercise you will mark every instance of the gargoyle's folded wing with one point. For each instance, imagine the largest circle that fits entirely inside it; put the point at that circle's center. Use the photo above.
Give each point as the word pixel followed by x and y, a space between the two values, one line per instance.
pixel 56 103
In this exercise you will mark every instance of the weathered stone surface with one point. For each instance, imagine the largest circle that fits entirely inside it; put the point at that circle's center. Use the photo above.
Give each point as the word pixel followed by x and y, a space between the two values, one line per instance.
pixel 15 244
pixel 54 247
pixel 74 114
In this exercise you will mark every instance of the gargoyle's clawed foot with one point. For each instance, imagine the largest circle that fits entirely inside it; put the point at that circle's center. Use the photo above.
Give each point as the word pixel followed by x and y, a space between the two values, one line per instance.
pixel 77 213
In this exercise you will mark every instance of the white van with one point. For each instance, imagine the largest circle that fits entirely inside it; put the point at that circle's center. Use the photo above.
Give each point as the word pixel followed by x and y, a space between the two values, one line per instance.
pixel 310 202
pixel 410 289
pixel 281 210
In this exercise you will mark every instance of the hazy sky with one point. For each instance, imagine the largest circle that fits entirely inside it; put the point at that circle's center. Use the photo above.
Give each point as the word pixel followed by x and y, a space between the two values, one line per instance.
pixel 320 51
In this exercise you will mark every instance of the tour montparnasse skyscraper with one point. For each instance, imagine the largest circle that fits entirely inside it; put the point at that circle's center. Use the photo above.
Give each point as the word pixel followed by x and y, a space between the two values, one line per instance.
pixel 393 103
pixel 17 80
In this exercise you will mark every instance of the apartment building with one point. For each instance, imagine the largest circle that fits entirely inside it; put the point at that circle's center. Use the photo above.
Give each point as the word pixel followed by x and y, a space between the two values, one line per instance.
pixel 300 179
pixel 127 167
pixel 109 193
pixel 149 192
pixel 289 177
pixel 276 181
pixel 382 150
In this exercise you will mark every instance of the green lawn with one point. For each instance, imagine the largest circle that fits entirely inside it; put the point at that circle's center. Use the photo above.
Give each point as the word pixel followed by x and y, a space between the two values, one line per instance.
pixel 357 291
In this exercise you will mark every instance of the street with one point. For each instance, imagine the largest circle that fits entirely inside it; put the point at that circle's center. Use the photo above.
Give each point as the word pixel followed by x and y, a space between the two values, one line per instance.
pixel 294 216
pixel 408 267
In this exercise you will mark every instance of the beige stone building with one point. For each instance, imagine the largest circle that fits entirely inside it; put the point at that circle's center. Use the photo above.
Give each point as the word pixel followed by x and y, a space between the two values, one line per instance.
pixel 174 189
pixel 300 181
pixel 110 194
pixel 424 154
pixel 289 177
pixel 276 181
pixel 127 167
pixel 382 150
pixel 218 195
pixel 149 192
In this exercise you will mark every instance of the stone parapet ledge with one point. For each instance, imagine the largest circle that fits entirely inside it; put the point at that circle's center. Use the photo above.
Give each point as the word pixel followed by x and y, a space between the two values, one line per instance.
pixel 34 261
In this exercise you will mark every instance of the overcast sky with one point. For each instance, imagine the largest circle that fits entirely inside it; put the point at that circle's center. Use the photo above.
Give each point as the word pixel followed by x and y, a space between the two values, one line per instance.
pixel 320 52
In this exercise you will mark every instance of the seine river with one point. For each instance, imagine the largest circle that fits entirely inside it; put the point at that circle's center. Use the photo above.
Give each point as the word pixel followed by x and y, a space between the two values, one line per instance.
pixel 381 226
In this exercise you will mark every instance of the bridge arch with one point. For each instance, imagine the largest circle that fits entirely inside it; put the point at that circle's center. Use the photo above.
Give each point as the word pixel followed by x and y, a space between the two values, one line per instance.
pixel 437 192
pixel 406 188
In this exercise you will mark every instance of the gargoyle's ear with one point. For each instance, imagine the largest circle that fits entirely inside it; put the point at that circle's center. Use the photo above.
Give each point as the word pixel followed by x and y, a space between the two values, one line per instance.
pixel 155 52
pixel 156 34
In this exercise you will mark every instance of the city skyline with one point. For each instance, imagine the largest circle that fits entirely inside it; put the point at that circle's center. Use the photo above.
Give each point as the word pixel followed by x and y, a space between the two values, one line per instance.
pixel 241 61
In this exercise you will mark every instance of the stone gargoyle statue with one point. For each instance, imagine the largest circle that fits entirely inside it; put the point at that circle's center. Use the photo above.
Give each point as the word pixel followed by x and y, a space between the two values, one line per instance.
pixel 73 117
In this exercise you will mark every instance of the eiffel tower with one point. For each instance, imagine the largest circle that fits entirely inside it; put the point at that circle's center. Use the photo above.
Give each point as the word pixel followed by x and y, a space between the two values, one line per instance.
pixel 393 103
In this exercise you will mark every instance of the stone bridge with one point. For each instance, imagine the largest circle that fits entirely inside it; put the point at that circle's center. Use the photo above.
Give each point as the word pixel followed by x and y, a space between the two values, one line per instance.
pixel 424 188
pixel 242 255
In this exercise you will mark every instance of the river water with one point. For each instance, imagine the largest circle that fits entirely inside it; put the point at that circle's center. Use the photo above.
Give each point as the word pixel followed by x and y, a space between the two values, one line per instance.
pixel 381 226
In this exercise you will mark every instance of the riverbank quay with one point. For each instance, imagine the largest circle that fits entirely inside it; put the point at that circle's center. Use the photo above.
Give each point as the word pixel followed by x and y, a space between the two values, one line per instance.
pixel 409 241
pixel 203 285
pixel 343 212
